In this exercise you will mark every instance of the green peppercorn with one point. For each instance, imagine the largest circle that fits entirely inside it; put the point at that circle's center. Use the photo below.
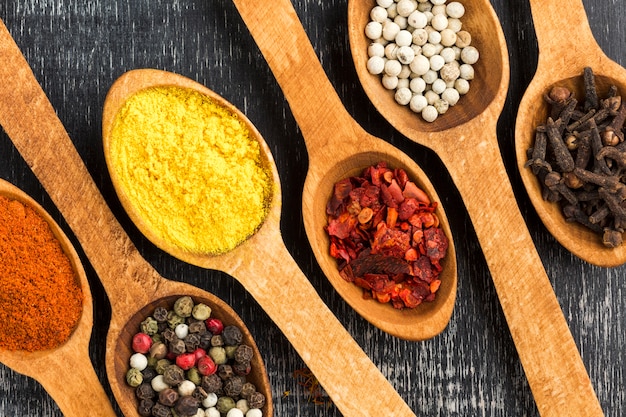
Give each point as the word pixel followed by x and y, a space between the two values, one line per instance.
pixel 230 351
pixel 187 406
pixel 201 312
pixel 156 338
pixel 218 354
pixel 161 365
pixel 183 306
pixel 225 404
pixel 232 335
pixel 194 376
pixel 256 400
pixel 134 378
pixel 149 326
pixel 174 319
pixel 173 375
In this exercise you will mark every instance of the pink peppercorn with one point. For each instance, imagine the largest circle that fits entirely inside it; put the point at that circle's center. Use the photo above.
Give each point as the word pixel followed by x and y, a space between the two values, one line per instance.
pixel 198 353
pixel 215 326
pixel 206 366
pixel 141 343
pixel 186 361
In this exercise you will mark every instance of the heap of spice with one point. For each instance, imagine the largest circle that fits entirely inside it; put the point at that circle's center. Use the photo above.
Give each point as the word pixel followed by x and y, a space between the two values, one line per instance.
pixel 41 300
pixel 191 168
pixel 187 363
pixel 386 237
pixel 579 156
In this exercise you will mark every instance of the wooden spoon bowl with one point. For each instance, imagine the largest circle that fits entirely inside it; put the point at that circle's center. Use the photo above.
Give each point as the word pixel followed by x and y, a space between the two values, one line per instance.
pixel 466 141
pixel 82 393
pixel 562 58
pixel 338 148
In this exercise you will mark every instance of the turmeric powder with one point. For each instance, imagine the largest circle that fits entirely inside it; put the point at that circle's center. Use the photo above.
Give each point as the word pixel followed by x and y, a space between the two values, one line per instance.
pixel 191 168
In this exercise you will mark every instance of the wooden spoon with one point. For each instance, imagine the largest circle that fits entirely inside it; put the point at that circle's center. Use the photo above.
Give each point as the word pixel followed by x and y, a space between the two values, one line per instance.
pixel 338 148
pixel 132 284
pixel 465 140
pixel 81 392
pixel 566 46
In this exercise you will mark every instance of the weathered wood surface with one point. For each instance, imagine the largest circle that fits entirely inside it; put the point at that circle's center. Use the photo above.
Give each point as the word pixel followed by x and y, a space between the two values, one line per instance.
pixel 77 49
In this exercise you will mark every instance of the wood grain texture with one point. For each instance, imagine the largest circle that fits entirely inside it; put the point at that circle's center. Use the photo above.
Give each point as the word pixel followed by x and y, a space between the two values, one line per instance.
pixel 78 49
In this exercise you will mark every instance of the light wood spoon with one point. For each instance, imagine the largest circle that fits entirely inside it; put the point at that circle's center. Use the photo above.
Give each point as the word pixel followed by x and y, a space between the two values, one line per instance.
pixel 134 287
pixel 81 392
pixel 465 140
pixel 338 148
pixel 566 47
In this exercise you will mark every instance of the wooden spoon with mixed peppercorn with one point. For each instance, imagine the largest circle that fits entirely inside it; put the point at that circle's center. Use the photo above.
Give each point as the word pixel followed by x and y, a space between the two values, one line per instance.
pixel 465 139
pixel 79 393
pixel 563 56
pixel 133 286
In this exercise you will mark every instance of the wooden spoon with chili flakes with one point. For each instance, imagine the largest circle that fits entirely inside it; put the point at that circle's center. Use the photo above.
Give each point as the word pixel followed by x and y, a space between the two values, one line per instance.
pixel 465 139
pixel 80 393
pixel 563 55
pixel 133 286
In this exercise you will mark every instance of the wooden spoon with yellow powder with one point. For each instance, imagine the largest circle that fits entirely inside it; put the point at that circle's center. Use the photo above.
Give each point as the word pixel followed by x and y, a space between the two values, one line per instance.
pixel 174 108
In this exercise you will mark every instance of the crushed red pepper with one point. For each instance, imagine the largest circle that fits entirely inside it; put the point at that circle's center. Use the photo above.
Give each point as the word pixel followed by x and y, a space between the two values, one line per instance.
pixel 386 237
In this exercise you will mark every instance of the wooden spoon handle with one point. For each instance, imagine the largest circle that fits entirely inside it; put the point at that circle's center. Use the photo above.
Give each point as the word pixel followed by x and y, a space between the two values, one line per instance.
pixel 563 32
pixel 337 361
pixel 551 361
pixel 32 124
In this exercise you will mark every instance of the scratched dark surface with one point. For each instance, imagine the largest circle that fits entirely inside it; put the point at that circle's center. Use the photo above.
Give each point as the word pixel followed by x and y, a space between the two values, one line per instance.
pixel 77 49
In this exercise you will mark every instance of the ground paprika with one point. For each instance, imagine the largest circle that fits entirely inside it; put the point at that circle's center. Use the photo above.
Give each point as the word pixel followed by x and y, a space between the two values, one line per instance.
pixel 41 299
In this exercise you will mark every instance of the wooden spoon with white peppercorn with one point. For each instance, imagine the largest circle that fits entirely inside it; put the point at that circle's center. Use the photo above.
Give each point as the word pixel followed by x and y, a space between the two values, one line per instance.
pixel 465 140
pixel 79 393
pixel 563 55
pixel 133 286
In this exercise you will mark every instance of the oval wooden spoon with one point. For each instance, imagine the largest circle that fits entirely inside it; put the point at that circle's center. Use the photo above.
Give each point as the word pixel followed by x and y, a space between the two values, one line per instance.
pixel 132 284
pixel 134 287
pixel 81 393
pixel 563 54
pixel 465 140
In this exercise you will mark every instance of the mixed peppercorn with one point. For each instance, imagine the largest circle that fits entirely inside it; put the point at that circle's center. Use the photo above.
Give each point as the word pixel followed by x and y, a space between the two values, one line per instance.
pixel 188 364
pixel 386 236
pixel 579 156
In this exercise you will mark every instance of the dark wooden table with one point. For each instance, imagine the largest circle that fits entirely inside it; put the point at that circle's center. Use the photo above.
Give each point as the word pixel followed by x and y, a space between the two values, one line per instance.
pixel 77 49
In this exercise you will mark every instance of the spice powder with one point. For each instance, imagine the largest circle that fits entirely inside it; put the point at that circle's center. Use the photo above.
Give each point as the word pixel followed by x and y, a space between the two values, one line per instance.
pixel 41 299
pixel 191 168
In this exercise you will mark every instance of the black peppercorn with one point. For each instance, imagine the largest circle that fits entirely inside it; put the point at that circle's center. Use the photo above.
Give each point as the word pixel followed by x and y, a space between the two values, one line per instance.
pixel 187 406
pixel 256 400
pixel 145 407
pixel 177 346
pixel 244 354
pixel 169 335
pixel 247 389
pixel 168 397
pixel 159 410
pixel 197 327
pixel 232 335
pixel 173 375
pixel 233 386
pixel 205 340
pixel 192 342
pixel 242 369
pixel 217 340
pixel 225 372
pixel 148 374
pixel 211 383
pixel 160 314
pixel 144 391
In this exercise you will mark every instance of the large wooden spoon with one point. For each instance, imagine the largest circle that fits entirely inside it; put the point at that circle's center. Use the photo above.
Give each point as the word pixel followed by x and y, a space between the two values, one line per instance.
pixel 566 46
pixel 81 393
pixel 134 286
pixel 465 140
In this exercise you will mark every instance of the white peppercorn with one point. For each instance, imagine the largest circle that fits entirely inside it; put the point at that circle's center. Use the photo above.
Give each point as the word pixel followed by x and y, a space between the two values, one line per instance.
pixel 429 50
pixel 451 96
pixel 417 85
pixel 466 71
pixel 212 412
pixel 469 55
pixel 437 2
pixel 375 65
pixel 405 7
pixel 392 11
pixel 420 37
pixel 418 103
pixel 374 30
pixel 462 86
pixel 430 76
pixel 430 113
pixel 405 73
pixel 393 67
pixel 441 106
pixel 455 9
pixel 436 62
pixel 378 14
pixel 390 30
pixel 403 96
pixel 234 412
pixel 424 5
pixel 417 19
pixel 210 400
pixel 138 361
pixel 376 49
pixel 182 330
pixel 448 55
pixel 463 39
pixel 242 404
pixel 403 38
pixel 390 82
pixel 384 3
pixel 448 37
pixel 450 71
pixel 401 21
pixel 405 55
pixel 391 51
pixel 186 388
pixel 420 65
pixel 402 83
pixel 158 384
pixel 434 37
pixel 438 86
pixel 439 22
pixel 254 412
pixel 454 24
pixel 431 97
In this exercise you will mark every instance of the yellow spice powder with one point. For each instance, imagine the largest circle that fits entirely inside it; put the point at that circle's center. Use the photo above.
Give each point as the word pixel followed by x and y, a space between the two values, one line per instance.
pixel 191 168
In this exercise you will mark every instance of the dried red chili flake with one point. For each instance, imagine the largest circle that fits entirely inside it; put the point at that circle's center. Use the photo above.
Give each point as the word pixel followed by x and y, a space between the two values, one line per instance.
pixel 386 237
